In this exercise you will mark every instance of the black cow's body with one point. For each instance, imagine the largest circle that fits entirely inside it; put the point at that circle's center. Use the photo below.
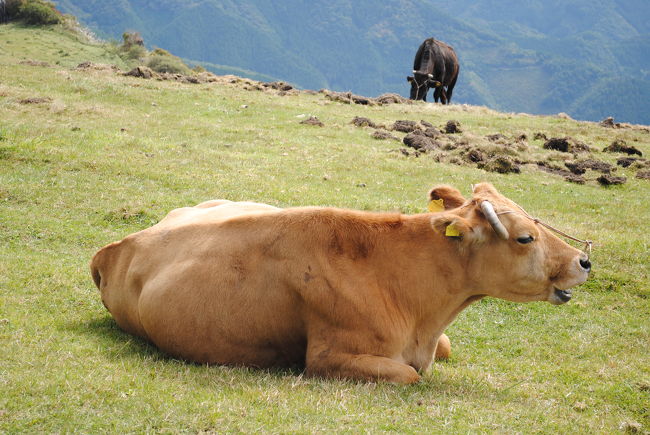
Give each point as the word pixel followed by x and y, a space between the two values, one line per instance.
pixel 435 66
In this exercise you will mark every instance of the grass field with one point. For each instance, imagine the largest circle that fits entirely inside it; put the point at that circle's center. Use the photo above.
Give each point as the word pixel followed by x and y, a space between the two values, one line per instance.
pixel 103 155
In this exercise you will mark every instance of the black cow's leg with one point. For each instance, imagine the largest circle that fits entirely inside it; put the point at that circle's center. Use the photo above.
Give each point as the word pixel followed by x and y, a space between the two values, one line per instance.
pixel 448 94
pixel 450 89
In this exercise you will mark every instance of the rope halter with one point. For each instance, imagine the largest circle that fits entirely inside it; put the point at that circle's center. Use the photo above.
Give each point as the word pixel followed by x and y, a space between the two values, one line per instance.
pixel 587 243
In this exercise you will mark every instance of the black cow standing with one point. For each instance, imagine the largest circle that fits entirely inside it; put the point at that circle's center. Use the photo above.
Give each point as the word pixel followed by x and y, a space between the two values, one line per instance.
pixel 435 66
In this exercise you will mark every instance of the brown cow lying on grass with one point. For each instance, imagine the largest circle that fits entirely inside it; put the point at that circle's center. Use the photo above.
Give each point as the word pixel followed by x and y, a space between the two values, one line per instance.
pixel 343 293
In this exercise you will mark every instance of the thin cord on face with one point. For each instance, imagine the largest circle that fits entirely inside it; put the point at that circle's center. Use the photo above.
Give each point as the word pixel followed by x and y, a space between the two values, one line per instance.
pixel 587 243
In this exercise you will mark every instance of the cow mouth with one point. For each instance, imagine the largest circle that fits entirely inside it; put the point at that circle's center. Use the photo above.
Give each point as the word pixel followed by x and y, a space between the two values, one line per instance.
pixel 562 296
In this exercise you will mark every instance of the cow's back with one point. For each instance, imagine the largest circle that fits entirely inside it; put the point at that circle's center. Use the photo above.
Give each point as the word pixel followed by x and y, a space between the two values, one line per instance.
pixel 194 284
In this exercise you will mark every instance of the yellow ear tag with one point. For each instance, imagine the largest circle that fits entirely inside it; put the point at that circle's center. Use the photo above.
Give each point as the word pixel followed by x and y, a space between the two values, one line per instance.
pixel 452 231
pixel 436 205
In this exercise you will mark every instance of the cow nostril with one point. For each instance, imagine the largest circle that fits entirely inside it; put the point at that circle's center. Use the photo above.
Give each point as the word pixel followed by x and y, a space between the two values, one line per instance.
pixel 586 264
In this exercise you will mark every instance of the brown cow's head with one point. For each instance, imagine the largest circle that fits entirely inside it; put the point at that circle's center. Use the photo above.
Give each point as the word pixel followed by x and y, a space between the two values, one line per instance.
pixel 507 254
pixel 420 84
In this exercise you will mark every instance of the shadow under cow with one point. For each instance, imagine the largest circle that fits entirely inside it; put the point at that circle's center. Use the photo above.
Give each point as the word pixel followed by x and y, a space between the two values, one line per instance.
pixel 117 345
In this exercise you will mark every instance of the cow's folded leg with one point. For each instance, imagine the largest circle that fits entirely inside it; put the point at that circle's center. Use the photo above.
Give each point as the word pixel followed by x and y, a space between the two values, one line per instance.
pixel 361 367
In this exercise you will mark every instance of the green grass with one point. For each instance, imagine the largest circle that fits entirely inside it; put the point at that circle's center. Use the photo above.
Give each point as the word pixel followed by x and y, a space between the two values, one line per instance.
pixel 109 155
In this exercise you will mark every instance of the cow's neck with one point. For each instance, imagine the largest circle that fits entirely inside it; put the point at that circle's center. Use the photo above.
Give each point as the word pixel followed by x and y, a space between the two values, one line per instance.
pixel 432 280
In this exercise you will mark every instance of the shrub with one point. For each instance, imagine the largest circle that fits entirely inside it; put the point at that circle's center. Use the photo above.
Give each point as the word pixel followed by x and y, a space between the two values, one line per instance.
pixel 38 12
pixel 160 52
pixel 12 7
pixel 167 64
pixel 134 52
pixel 132 38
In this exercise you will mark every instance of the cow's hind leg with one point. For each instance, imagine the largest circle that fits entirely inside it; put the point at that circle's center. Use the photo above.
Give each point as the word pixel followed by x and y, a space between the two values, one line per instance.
pixel 327 363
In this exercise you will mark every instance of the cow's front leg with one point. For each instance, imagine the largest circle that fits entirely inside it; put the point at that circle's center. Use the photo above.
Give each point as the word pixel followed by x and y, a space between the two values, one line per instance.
pixel 331 364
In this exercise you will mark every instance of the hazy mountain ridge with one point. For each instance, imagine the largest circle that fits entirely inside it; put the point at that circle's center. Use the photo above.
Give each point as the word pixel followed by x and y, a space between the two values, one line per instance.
pixel 589 59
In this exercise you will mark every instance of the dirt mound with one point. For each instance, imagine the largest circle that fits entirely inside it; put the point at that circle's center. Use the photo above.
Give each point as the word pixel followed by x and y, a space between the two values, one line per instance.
pixel 620 146
pixel 432 132
pixel 143 72
pixel 572 178
pixel 207 77
pixel 552 169
pixel 360 121
pixel 566 145
pixel 35 100
pixel 391 99
pixel 347 97
pixel 405 126
pixel 540 136
pixel 452 127
pixel 420 142
pixel 498 137
pixel 626 161
pixel 383 135
pixel 475 156
pixel 312 120
pixel 609 123
pixel 610 180
pixel 279 85
pixel 350 98
pixel 580 167
pixel 500 164
pixel 643 175
pixel 85 66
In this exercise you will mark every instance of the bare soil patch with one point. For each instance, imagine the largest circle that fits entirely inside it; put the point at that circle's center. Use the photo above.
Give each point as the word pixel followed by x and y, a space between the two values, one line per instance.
pixel 312 120
pixel 580 167
pixel 360 121
pixel 610 180
pixel 452 127
pixel 405 126
pixel 643 175
pixel 566 145
pixel 35 100
pixel 419 141
pixel 383 135
pixel 620 146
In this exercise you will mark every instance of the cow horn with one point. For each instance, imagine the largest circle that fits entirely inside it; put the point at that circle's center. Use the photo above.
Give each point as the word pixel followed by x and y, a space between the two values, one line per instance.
pixel 414 71
pixel 493 219
pixel 430 76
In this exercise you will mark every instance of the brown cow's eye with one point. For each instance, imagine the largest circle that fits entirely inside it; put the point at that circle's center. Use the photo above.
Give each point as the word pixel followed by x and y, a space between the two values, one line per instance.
pixel 524 240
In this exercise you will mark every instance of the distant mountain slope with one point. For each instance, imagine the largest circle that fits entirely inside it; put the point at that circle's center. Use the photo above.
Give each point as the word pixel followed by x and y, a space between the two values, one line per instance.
pixel 589 58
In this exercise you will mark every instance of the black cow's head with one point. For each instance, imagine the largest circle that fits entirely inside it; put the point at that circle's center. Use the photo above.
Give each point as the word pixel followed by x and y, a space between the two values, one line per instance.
pixel 420 84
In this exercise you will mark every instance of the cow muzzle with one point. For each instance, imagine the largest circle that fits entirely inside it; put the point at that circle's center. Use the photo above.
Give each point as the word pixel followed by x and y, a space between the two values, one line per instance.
pixel 559 297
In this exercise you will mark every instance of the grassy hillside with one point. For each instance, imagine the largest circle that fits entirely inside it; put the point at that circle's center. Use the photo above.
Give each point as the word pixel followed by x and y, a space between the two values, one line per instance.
pixel 587 59
pixel 87 157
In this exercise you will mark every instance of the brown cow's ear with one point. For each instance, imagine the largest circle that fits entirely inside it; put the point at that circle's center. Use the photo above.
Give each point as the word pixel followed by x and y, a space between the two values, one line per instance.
pixel 452 226
pixel 485 188
pixel 445 197
pixel 409 78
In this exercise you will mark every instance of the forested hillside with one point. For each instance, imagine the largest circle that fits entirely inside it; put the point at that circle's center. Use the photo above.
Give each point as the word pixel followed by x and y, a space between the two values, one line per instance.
pixel 588 59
